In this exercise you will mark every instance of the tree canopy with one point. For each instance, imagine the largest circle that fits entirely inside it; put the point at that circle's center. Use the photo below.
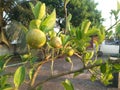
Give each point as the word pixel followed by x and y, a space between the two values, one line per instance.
pixel 80 10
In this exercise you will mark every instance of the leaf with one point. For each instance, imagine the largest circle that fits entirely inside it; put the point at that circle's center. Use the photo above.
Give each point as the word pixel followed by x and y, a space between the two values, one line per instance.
pixel 19 76
pixel 89 55
pixel 93 78
pixel 68 22
pixel 85 26
pixel 39 88
pixel 103 68
pixel 68 59
pixel 77 73
pixel 31 73
pixel 42 12
pixel 118 5
pixel 49 22
pixel 116 66
pixel 35 24
pixel 32 7
pixel 10 88
pixel 37 9
pixel 79 34
pixel 33 59
pixel 65 39
pixel 99 61
pixel 67 85
pixel 52 33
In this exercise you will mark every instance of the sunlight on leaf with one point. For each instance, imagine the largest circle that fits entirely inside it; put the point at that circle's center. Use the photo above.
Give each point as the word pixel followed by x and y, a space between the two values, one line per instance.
pixel 67 85
pixel 19 76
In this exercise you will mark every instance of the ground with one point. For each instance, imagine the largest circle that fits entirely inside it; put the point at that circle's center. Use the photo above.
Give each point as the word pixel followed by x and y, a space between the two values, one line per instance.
pixel 81 82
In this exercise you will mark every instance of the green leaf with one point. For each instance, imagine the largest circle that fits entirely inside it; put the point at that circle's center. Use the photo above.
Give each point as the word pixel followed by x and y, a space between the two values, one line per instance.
pixel 33 60
pixel 1 64
pixel 68 22
pixel 3 81
pixel 42 12
pixel 89 55
pixel 99 61
pixel 65 39
pixel 52 33
pixel 79 34
pixel 35 24
pixel 117 67
pixel 85 26
pixel 105 79
pixel 10 88
pixel 31 73
pixel 68 59
pixel 118 5
pixel 32 7
pixel 37 9
pixel 67 85
pixel 49 22
pixel 93 78
pixel 19 76
pixel 77 73
pixel 39 88
pixel 103 68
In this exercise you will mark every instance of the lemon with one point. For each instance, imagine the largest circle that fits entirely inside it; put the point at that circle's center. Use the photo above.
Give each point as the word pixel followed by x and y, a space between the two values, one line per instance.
pixel 36 38
pixel 56 42
pixel 69 51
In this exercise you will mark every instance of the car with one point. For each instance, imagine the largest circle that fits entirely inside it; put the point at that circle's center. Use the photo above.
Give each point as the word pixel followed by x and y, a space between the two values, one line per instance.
pixel 109 48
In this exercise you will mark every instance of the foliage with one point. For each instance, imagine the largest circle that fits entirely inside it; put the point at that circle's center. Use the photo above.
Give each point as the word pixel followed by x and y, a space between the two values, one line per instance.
pixel 79 9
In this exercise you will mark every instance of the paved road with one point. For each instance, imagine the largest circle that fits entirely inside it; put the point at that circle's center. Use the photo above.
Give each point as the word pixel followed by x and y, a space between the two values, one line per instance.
pixel 81 82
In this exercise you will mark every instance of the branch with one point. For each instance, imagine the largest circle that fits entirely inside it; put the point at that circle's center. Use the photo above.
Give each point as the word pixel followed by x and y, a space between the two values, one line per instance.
pixel 74 71
pixel 113 25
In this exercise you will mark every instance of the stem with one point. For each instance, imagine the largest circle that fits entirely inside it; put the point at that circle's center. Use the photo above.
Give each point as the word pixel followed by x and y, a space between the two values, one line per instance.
pixel 52 64
pixel 71 66
pixel 17 64
pixel 35 75
pixel 52 67
pixel 65 9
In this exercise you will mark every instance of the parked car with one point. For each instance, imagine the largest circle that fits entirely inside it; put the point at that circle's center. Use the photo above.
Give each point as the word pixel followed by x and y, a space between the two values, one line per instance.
pixel 108 48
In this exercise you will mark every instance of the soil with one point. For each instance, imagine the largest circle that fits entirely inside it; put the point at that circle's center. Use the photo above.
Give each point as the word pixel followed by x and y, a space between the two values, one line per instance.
pixel 80 82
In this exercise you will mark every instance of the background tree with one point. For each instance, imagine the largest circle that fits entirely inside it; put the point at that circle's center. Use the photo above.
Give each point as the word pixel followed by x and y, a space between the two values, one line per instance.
pixel 7 14
pixel 80 9
pixel 5 5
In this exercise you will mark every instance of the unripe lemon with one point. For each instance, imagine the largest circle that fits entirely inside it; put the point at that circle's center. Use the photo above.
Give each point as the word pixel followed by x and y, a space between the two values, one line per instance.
pixel 69 51
pixel 56 42
pixel 36 38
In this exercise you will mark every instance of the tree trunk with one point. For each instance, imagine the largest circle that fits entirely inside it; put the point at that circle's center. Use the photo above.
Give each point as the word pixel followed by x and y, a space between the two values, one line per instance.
pixel 1 13
pixel 3 38
pixel 1 17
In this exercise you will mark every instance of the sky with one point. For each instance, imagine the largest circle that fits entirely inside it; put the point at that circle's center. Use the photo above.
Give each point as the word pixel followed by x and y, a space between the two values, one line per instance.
pixel 105 6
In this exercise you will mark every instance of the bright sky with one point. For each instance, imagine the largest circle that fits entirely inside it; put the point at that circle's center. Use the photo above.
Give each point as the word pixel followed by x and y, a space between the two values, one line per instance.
pixel 106 6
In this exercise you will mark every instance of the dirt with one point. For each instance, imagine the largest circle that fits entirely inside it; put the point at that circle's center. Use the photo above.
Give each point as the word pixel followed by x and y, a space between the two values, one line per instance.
pixel 80 82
